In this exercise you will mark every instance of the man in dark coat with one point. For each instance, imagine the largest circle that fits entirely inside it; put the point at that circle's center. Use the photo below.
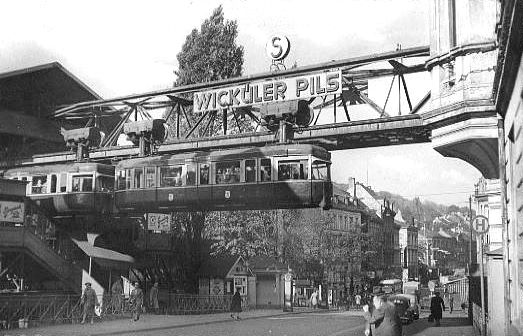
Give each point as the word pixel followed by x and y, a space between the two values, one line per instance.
pixel 236 305
pixel 136 301
pixel 384 317
pixel 437 306
pixel 89 301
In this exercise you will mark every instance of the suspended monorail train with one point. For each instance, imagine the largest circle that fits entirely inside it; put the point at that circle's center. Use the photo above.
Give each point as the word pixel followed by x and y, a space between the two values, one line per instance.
pixel 279 176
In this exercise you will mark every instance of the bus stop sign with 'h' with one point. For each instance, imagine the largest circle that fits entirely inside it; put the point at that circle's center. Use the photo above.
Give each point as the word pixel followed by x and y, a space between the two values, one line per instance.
pixel 480 224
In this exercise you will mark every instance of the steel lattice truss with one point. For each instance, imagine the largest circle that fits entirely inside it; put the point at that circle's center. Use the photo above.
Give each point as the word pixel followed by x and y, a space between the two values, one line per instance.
pixel 184 125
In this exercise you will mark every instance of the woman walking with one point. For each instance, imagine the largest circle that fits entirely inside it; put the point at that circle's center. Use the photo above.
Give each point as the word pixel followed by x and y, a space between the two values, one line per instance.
pixel 236 305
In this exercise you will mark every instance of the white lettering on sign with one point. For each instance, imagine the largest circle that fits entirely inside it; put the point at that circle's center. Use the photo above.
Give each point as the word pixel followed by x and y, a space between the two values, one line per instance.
pixel 12 212
pixel 301 87
pixel 158 222
pixel 480 224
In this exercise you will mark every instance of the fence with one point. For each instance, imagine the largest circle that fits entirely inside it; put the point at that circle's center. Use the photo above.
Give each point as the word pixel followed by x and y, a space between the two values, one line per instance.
pixel 36 308
pixel 199 304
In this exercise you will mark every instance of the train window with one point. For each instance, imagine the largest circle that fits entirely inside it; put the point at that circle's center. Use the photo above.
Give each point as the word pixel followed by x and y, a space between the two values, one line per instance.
pixel 105 183
pixel 53 183
pixel 63 182
pixel 128 178
pixel 191 174
pixel 138 178
pixel 250 170
pixel 292 170
pixel 204 173
pixel 320 170
pixel 150 177
pixel 265 170
pixel 82 183
pixel 227 172
pixel 39 184
pixel 171 176
pixel 120 180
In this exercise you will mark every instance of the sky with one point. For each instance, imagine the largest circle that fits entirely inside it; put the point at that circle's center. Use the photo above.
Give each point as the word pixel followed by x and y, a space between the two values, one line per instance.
pixel 123 47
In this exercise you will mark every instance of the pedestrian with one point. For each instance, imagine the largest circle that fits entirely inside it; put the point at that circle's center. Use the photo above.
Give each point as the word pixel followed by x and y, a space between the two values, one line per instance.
pixel 153 298
pixel 236 305
pixel 357 299
pixel 89 301
pixel 437 306
pixel 116 293
pixel 314 299
pixel 136 301
pixel 384 317
pixel 451 302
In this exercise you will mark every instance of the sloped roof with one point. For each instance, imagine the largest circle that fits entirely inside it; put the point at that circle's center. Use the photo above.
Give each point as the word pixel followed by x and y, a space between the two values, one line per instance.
pixel 260 263
pixel 218 266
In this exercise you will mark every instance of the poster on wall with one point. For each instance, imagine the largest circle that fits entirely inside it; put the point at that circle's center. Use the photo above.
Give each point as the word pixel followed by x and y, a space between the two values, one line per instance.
pixel 159 222
pixel 12 212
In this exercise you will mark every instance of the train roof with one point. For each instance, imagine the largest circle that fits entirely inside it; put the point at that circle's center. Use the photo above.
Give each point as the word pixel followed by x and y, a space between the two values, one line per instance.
pixel 230 154
pixel 74 167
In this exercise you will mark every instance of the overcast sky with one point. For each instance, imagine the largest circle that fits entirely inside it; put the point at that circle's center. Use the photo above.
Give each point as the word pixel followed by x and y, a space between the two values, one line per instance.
pixel 123 47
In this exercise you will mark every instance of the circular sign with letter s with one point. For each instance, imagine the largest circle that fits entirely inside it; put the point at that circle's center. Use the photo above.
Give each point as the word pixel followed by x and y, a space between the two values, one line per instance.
pixel 278 47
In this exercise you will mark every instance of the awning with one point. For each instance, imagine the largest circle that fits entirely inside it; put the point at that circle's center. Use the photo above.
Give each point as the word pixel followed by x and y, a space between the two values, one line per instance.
pixel 105 257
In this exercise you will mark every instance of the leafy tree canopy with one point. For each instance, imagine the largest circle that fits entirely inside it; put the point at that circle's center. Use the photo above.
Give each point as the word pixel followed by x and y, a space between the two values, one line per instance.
pixel 211 53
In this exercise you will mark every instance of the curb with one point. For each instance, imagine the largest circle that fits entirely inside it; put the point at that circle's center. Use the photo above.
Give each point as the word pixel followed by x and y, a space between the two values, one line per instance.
pixel 124 332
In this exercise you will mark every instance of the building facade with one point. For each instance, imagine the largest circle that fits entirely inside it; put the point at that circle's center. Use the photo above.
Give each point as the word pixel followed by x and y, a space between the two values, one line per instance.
pixel 508 95
pixel 408 240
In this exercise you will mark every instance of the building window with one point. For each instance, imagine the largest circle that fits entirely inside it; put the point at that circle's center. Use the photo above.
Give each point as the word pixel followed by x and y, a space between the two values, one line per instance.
pixel 240 284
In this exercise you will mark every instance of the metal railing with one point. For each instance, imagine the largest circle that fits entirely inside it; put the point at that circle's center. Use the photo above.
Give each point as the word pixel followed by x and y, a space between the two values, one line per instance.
pixel 199 304
pixel 37 309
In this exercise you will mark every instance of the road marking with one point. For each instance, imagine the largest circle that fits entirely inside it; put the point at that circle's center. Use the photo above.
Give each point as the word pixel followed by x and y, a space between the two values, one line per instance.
pixel 286 318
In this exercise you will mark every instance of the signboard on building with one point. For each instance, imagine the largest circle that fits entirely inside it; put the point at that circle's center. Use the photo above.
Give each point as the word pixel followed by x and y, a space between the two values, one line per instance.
pixel 480 224
pixel 159 222
pixel 12 212
pixel 263 92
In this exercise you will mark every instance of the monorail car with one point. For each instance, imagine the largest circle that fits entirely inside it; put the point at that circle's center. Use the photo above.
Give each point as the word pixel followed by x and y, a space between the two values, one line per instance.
pixel 280 176
pixel 67 189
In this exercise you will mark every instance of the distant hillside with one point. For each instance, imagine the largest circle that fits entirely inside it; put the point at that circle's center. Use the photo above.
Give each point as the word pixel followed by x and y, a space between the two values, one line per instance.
pixel 435 216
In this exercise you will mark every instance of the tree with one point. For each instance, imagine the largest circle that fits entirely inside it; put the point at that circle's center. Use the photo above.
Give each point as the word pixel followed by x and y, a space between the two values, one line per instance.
pixel 243 233
pixel 209 54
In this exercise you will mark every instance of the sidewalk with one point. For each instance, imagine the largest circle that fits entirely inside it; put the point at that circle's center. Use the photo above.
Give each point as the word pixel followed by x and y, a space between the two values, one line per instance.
pixel 455 324
pixel 146 322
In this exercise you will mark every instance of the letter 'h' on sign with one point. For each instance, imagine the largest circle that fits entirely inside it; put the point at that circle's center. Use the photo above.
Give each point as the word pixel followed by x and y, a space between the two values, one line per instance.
pixel 481 224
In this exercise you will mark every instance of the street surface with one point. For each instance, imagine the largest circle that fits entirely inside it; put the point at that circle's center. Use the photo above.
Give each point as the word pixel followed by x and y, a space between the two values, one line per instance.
pixel 256 323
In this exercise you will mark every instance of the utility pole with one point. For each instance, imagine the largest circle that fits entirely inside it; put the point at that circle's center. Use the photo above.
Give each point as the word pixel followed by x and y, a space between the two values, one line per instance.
pixel 470 227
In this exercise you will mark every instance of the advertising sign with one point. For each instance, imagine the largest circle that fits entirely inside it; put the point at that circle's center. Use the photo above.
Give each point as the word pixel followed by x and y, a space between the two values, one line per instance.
pixel 12 212
pixel 159 222
pixel 263 92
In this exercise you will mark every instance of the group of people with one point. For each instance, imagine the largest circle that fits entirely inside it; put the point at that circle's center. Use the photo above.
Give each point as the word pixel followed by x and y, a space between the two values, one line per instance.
pixel 89 300
pixel 385 321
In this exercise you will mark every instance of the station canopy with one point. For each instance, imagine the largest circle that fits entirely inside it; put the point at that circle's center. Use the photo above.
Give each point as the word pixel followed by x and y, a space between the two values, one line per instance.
pixel 104 257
